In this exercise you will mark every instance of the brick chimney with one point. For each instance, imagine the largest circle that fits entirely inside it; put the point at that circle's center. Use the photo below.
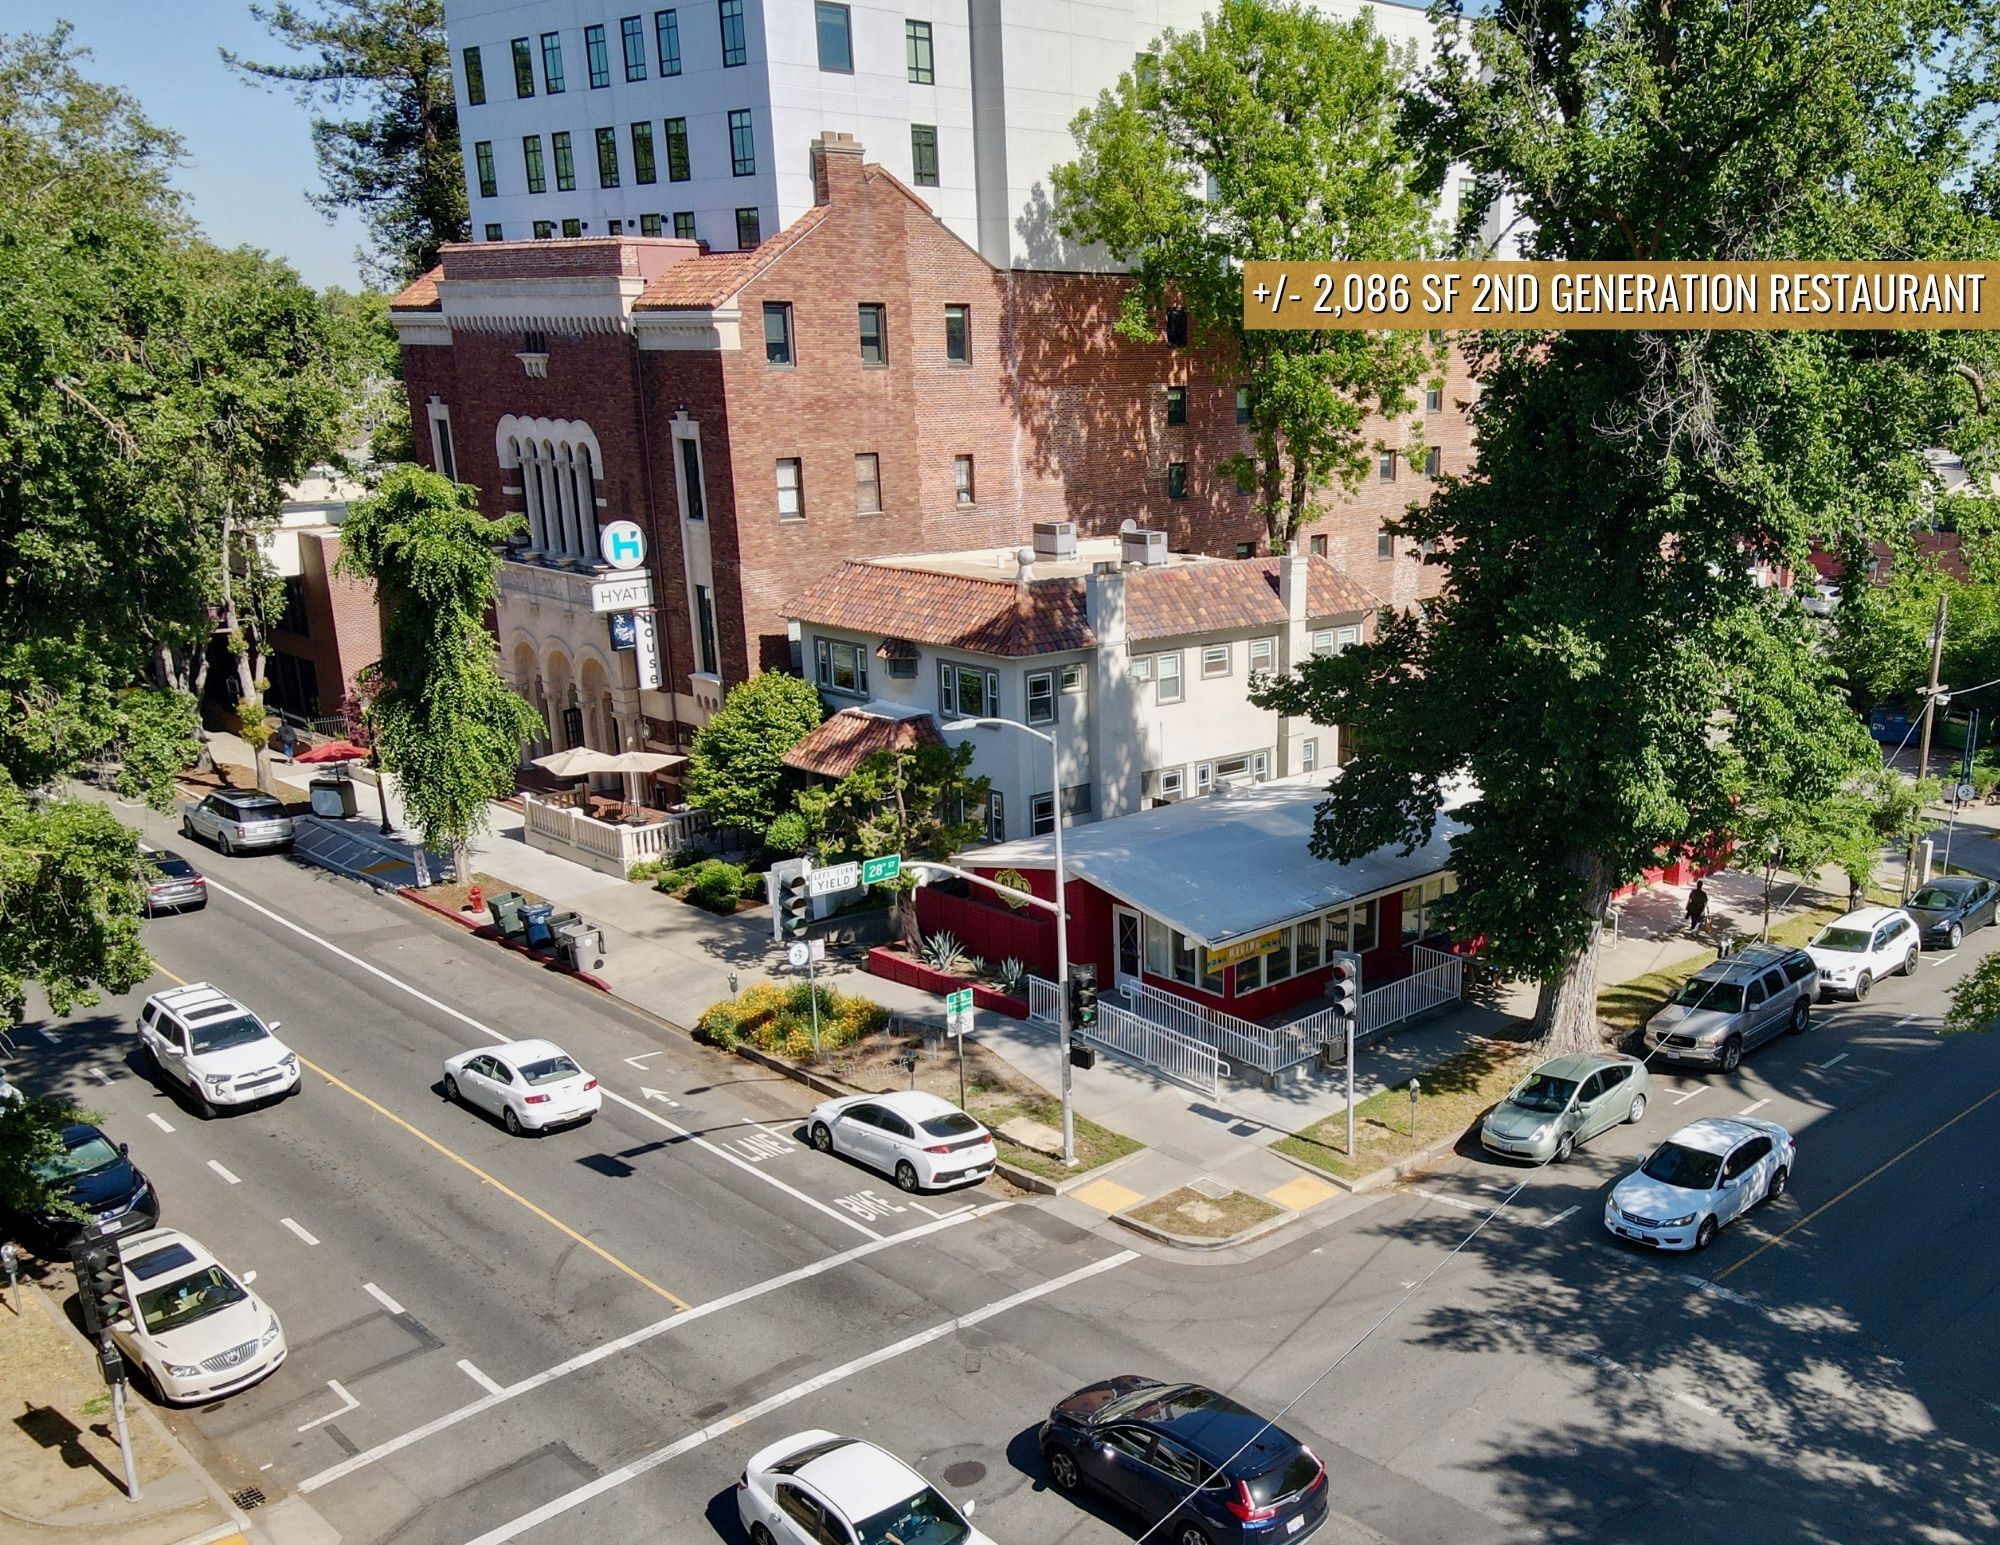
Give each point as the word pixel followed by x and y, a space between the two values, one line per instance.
pixel 836 163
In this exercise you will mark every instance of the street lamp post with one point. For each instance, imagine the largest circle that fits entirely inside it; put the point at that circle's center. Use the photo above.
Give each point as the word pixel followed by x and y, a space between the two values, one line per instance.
pixel 1061 910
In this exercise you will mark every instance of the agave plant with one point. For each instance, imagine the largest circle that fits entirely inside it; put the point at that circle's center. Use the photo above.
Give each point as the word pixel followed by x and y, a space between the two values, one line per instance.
pixel 1013 973
pixel 943 952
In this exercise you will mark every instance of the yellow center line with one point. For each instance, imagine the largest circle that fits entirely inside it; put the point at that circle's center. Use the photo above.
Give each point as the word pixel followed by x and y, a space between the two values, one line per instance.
pixel 1778 1239
pixel 466 1164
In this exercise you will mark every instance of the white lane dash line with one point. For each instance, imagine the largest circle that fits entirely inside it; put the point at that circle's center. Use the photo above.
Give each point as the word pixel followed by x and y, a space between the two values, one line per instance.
pixel 479 1378
pixel 99 1074
pixel 224 1173
pixel 1830 1061
pixel 382 1298
pixel 1702 1284
pixel 348 1403
pixel 159 1121
pixel 1690 1094
pixel 1753 1107
pixel 50 1037
pixel 1552 1222
pixel 296 1229
pixel 1454 1201
pixel 1906 1019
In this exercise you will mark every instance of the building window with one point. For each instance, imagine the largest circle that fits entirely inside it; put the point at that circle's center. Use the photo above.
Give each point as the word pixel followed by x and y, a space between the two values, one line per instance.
pixel 734 50
pixel 607 158
pixel 965 691
pixel 1176 480
pixel 697 508
pixel 1242 404
pixel 597 56
pixel 572 227
pixel 874 335
pixel 1204 777
pixel 667 33
pixel 996 817
pixel 633 30
pixel 493 233
pixel 565 161
pixel 1385 466
pixel 482 155
pixel 544 229
pixel 649 225
pixel 704 617
pixel 749 229
pixel 524 68
pixel 1385 545
pixel 1214 660
pixel 677 163
pixel 868 484
pixel 1167 677
pixel 1041 697
pixel 1263 655
pixel 923 155
pixel 1177 328
pixel 836 43
pixel 1071 678
pixel 1042 815
pixel 1169 784
pixel 958 335
pixel 1316 546
pixel 643 169
pixel 1433 400
pixel 1177 405
pixel 475 78
pixel 1433 461
pixel 442 457
pixel 684 225
pixel 1333 640
pixel 791 489
pixel 961 477
pixel 531 156
pixel 1421 919
pixel 742 144
pixel 1246 549
pixel 552 70
pixel 294 619
pixel 917 51
pixel 777 332
pixel 616 227
pixel 1308 755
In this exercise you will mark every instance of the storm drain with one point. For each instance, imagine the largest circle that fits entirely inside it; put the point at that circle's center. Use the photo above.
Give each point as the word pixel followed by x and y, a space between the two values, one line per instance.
pixel 249 1497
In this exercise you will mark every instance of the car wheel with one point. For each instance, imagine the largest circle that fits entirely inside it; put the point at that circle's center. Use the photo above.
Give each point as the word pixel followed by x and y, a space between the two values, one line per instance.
pixel 187 828
pixel 1862 983
pixel 149 1060
pixel 222 842
pixel 906 1175
pixel 1955 937
pixel 1565 1145
pixel 822 1137
pixel 202 1107
pixel 1638 1111
pixel 1909 966
pixel 759 1535
pixel 1189 1534
pixel 1732 1054
pixel 1801 1017
pixel 451 1089
pixel 1776 1189
pixel 511 1122
pixel 1062 1468
pixel 1705 1235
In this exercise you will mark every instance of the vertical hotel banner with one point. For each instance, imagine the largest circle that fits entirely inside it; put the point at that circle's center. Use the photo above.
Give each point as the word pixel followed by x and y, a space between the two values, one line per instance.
pixel 1551 297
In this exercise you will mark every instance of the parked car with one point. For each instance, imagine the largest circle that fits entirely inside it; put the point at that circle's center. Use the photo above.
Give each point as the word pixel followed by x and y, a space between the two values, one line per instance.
pixel 1856 951
pixel 197 1331
pixel 1822 600
pixel 172 884
pixel 1566 1101
pixel 215 1048
pixel 919 1139
pixel 1219 1471
pixel 1701 1179
pixel 530 1085
pixel 817 1487
pixel 1949 908
pixel 1888 723
pixel 1734 1003
pixel 238 820
pixel 97 1175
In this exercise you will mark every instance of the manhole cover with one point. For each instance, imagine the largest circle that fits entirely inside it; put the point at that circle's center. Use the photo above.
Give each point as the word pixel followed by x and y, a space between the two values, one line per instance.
pixel 1214 1190
pixel 967 1472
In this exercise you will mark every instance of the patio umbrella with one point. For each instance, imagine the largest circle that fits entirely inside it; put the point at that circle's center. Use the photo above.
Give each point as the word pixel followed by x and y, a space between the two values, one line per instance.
pixel 633 763
pixel 577 762
pixel 334 751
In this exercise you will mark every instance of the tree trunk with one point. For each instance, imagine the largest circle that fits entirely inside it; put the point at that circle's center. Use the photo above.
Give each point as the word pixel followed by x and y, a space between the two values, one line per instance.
pixel 1566 1010
pixel 903 919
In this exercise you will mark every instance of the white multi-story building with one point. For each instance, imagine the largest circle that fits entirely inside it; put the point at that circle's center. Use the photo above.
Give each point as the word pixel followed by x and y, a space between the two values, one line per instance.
pixel 588 118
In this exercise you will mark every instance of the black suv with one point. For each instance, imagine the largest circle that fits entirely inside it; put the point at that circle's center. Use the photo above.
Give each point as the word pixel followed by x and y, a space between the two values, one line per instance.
pixel 1220 1472
pixel 94 1174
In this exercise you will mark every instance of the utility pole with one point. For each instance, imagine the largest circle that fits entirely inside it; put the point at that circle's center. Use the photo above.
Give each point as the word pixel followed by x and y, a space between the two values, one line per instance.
pixel 1924 738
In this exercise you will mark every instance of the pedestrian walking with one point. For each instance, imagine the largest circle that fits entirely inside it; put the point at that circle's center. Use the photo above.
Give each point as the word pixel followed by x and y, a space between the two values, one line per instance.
pixel 1697 908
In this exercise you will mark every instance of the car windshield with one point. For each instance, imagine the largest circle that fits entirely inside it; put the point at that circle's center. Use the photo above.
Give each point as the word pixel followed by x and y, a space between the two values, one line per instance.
pixel 1935 898
pixel 550 1070
pixel 221 1034
pixel 1543 1093
pixel 1689 1169
pixel 952 1124
pixel 1723 997
pixel 925 1519
pixel 191 1298
pixel 1848 941
pixel 92 1153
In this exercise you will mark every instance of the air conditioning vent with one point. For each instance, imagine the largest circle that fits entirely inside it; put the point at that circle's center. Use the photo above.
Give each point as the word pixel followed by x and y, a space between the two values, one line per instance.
pixel 1055 539
pixel 1144 547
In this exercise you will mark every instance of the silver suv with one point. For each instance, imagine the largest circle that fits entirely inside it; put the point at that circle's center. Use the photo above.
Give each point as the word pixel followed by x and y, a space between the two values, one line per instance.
pixel 237 820
pixel 1734 1003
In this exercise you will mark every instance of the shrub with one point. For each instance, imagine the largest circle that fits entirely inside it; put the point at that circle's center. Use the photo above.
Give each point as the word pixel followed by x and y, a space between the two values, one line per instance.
pixel 716 885
pixel 788 834
pixel 779 1020
pixel 1013 974
pixel 943 952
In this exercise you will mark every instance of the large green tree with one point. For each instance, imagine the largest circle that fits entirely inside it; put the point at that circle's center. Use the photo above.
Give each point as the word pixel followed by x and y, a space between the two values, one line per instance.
pixel 737 769
pixel 1289 119
pixel 1600 661
pixel 395 157
pixel 445 723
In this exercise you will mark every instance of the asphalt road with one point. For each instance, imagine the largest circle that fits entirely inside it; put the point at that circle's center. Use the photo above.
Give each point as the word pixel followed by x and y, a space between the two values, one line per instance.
pixel 582 1336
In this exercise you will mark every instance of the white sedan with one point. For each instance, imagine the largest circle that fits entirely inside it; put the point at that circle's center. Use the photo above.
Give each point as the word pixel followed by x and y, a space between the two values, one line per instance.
pixel 198 1332
pixel 1705 1176
pixel 530 1085
pixel 817 1486
pixel 921 1140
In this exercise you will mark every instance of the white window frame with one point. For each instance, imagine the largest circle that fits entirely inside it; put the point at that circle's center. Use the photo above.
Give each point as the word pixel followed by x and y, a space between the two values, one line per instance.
pixel 444 452
pixel 1268 647
pixel 1204 777
pixel 1216 660
pixel 1072 679
pixel 1042 704
pixel 797 468
pixel 1260 766
pixel 948 694
pixel 1322 643
pixel 1041 815
pixel 1142 667
pixel 1308 755
pixel 1161 675
pixel 1232 766
pixel 825 652
pixel 1169 783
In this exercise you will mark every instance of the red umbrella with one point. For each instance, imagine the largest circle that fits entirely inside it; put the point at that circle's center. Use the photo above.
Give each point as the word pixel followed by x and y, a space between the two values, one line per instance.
pixel 334 751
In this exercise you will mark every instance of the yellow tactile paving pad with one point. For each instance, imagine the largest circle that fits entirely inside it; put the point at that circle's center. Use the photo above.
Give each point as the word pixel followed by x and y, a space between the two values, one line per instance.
pixel 1302 1193
pixel 1107 1196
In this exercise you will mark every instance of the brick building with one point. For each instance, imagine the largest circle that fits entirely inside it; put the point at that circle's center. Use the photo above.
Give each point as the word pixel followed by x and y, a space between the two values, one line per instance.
pixel 863 383
pixel 331 626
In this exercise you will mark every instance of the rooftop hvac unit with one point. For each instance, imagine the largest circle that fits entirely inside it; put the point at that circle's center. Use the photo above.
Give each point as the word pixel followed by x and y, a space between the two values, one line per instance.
pixel 1055 539
pixel 1146 547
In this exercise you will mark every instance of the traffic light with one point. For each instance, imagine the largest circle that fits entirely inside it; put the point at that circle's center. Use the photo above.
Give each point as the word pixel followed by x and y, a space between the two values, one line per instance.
pixel 100 1286
pixel 1343 986
pixel 1083 996
pixel 798 905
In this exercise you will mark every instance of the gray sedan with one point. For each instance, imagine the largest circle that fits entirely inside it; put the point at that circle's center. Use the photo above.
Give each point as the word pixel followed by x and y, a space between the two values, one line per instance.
pixel 1566 1101
pixel 1952 906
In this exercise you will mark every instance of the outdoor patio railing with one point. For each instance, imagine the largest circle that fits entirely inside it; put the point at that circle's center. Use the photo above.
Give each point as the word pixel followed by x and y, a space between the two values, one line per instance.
pixel 1179 1057
pixel 1436 979
pixel 1044 1000
pixel 606 845
pixel 1268 1048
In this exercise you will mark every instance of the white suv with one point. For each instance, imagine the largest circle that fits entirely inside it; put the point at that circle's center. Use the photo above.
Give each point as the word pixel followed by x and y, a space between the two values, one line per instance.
pixel 1855 952
pixel 218 1049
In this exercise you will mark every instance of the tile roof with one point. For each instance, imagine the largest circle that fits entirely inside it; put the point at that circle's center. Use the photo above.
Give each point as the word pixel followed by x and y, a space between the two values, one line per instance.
pixel 895 649
pixel 986 616
pixel 1230 594
pixel 697 283
pixel 421 294
pixel 844 741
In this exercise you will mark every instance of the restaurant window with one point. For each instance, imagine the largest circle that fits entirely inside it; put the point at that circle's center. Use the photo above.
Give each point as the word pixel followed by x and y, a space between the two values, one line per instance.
pixel 1041 697
pixel 1306 945
pixel 843 667
pixel 1421 908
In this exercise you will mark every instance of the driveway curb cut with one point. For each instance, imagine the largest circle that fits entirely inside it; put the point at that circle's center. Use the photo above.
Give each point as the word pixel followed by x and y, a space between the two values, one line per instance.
pixel 1202 1242
pixel 480 930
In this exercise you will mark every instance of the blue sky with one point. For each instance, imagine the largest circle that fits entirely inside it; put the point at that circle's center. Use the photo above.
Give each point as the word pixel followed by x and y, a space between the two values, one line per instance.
pixel 249 160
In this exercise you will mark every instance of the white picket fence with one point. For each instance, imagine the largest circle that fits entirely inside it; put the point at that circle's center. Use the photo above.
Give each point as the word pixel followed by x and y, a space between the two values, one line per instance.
pixel 1437 979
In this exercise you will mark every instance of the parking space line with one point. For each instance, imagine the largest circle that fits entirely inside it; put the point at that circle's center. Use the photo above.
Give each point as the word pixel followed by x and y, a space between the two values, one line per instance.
pixel 224 1173
pixel 381 1298
pixel 472 1373
pixel 1905 1020
pixel 1830 1061
pixel 1753 1107
pixel 299 1230
pixel 784 1397
pixel 1690 1094
pixel 347 1403
pixel 159 1121
pixel 1454 1201
pixel 1565 1213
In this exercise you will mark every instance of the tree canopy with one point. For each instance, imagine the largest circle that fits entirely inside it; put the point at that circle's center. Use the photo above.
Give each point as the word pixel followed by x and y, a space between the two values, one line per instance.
pixel 737 769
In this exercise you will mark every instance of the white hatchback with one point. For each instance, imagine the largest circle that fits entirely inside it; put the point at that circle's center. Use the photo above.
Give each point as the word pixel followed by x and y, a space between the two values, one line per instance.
pixel 815 1487
pixel 197 1331
pixel 1706 1175
pixel 1855 952
pixel 530 1085
pixel 919 1139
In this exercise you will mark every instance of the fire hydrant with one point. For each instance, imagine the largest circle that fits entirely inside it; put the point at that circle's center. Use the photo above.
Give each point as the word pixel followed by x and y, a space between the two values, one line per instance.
pixel 475 901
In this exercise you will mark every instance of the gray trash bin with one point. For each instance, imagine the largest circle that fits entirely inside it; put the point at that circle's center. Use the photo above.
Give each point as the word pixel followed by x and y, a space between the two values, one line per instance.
pixel 580 946
pixel 333 798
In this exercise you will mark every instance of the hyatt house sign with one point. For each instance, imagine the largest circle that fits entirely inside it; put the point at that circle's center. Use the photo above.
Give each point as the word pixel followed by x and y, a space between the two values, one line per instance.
pixel 622 594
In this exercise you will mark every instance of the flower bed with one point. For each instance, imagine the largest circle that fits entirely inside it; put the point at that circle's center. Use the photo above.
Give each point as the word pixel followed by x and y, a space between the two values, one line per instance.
pixel 895 966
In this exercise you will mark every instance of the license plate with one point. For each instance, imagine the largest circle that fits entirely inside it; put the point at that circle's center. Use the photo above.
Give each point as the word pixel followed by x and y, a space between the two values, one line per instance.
pixel 1296 1524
